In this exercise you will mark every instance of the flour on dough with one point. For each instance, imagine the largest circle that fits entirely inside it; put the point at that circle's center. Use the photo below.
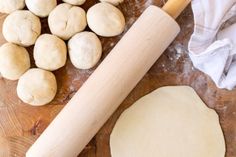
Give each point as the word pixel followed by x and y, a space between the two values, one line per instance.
pixel 169 122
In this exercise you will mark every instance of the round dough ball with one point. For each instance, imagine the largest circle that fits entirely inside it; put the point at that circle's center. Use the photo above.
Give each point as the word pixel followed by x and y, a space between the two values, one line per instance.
pixel 37 87
pixel 21 27
pixel 114 2
pixel 50 52
pixel 14 61
pixel 67 20
pixel 106 20
pixel 8 6
pixel 169 122
pixel 75 2
pixel 41 8
pixel 85 50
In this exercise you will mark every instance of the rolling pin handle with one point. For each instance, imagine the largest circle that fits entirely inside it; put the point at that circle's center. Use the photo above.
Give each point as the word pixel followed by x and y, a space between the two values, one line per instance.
pixel 175 7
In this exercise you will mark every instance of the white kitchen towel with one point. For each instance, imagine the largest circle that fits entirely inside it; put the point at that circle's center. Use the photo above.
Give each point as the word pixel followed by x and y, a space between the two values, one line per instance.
pixel 212 46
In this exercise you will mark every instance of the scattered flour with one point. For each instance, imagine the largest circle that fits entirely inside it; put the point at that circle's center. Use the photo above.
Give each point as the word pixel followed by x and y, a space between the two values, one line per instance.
pixel 177 60
pixel 112 44
pixel 180 50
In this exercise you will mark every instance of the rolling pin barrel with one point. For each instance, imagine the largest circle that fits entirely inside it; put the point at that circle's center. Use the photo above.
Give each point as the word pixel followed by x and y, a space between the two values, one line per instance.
pixel 108 86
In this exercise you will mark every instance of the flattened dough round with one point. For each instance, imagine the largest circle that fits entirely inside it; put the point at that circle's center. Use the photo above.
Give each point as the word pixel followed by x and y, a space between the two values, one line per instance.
pixel 37 87
pixel 66 20
pixel 41 8
pixel 8 6
pixel 105 20
pixel 21 27
pixel 169 122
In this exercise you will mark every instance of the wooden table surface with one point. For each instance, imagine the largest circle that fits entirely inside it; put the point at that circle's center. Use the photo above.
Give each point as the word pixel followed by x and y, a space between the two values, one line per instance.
pixel 21 124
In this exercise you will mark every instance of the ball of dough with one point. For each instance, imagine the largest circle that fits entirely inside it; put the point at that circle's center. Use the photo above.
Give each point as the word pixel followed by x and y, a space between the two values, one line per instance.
pixel 85 50
pixel 75 2
pixel 8 6
pixel 106 20
pixel 14 61
pixel 67 20
pixel 37 87
pixel 114 2
pixel 21 27
pixel 41 8
pixel 50 52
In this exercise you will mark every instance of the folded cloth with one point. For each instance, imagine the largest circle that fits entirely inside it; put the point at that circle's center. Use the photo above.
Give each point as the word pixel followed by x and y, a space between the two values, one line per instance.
pixel 212 47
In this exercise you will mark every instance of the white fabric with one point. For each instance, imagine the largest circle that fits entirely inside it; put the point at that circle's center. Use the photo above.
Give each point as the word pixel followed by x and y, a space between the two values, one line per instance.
pixel 212 46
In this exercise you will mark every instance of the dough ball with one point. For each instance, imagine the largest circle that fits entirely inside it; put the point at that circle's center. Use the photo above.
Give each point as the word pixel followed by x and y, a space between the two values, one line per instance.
pixel 114 2
pixel 106 20
pixel 21 27
pixel 50 52
pixel 75 2
pixel 41 8
pixel 14 61
pixel 67 20
pixel 169 122
pixel 85 50
pixel 37 87
pixel 8 6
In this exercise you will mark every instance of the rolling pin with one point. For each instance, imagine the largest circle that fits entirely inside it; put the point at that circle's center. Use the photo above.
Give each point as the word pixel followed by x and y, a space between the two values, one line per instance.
pixel 110 83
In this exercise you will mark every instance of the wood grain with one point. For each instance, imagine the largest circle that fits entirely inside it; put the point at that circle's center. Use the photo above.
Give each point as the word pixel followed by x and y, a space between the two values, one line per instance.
pixel 21 124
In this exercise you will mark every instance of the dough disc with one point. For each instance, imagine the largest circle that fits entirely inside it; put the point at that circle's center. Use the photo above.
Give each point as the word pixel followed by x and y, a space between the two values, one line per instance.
pixel 169 122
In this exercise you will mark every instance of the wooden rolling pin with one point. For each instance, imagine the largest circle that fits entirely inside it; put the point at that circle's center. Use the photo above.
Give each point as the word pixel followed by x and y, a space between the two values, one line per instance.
pixel 111 83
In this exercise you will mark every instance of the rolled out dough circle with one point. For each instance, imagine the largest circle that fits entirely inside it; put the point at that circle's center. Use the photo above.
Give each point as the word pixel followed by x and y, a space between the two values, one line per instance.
pixel 169 122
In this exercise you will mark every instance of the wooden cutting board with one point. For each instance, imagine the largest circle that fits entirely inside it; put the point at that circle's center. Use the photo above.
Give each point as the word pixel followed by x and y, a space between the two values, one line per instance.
pixel 21 124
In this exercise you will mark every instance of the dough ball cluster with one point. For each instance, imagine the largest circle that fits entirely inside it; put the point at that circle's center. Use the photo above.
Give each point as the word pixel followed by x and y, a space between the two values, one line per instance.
pixel 67 21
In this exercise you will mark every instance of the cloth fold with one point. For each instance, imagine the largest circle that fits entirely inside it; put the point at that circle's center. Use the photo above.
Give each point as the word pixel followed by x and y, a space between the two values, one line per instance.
pixel 212 46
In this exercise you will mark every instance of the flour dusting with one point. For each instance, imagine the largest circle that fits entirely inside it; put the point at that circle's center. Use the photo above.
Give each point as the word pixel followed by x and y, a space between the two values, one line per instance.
pixel 180 50
pixel 177 59
pixel 112 44
pixel 177 51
